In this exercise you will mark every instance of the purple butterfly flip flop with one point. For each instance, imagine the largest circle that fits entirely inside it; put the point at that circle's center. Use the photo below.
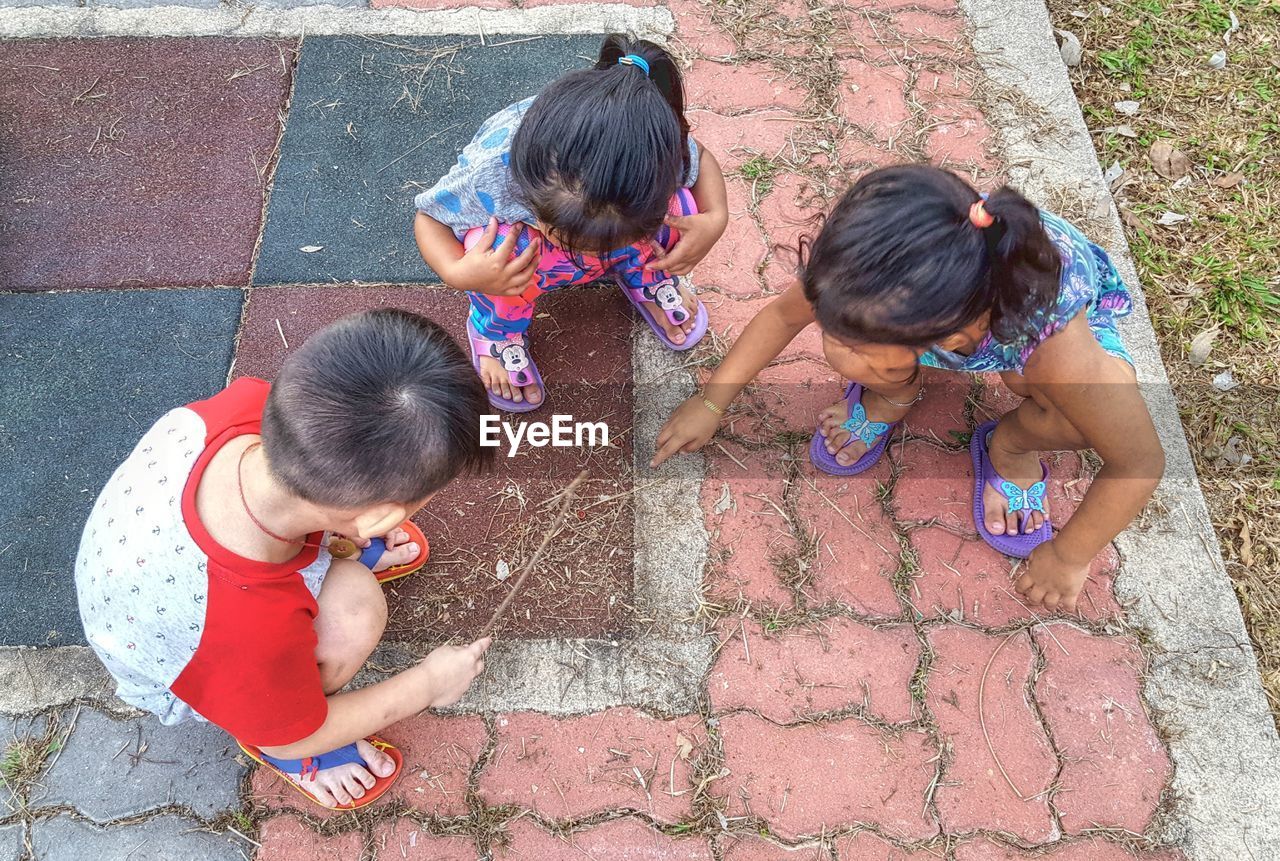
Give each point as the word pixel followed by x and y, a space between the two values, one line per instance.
pixel 513 353
pixel 859 428
pixel 1024 501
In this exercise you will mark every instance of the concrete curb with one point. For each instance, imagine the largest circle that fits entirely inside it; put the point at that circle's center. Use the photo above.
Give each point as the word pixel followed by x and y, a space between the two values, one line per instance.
pixel 33 22
pixel 1203 684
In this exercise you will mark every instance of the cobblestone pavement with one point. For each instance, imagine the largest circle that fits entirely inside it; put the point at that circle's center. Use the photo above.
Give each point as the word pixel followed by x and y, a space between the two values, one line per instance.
pixel 878 691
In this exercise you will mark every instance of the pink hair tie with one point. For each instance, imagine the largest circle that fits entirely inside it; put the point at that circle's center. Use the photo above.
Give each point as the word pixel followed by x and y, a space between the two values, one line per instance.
pixel 979 216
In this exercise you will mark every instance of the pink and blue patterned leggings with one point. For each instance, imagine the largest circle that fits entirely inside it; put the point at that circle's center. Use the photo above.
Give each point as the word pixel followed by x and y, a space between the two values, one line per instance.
pixel 498 317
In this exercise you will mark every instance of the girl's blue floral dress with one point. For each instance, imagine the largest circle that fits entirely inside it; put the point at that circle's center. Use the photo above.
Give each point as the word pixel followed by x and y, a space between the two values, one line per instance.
pixel 1090 283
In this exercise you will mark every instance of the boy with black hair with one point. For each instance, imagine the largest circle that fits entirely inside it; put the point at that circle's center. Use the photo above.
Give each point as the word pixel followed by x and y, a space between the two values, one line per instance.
pixel 205 578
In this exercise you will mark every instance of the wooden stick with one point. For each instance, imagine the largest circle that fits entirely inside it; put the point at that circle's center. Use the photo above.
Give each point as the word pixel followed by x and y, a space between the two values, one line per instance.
pixel 566 500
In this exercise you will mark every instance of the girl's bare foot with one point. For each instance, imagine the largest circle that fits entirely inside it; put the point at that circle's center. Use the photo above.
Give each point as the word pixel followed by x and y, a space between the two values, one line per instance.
pixel 838 440
pixel 497 380
pixel 1024 470
pixel 343 784
pixel 677 332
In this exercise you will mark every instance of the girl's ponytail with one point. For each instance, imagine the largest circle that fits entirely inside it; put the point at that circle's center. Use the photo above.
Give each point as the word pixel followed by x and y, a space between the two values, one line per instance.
pixel 663 71
pixel 600 151
pixel 1025 265
pixel 912 254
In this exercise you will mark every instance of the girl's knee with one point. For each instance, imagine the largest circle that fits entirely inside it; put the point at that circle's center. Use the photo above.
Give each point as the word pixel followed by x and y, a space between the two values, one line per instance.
pixel 473 236
pixel 1016 383
pixel 682 203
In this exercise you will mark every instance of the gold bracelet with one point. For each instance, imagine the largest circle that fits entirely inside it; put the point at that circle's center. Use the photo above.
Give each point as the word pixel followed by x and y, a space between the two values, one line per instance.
pixel 706 402
pixel 912 402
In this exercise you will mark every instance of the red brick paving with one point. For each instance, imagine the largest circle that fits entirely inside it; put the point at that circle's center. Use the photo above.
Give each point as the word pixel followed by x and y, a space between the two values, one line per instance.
pixel 965 580
pixel 439 755
pixel 616 840
pixel 407 840
pixel 790 208
pixel 857 552
pixel 781 406
pixel 759 849
pixel 1087 850
pixel 730 89
pixel 829 666
pixel 1114 767
pixel 138 163
pixel 697 33
pixel 940 415
pixel 1001 763
pixel 801 782
pixel 874 98
pixel 959 132
pixel 936 485
pixel 284 838
pixel 747 533
pixel 575 767
pixel 865 846
pixel 856 155
pixel 737 139
pixel 735 259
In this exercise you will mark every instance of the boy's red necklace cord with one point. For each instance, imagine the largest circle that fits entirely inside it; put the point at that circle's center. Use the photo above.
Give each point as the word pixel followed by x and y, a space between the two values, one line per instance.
pixel 340 547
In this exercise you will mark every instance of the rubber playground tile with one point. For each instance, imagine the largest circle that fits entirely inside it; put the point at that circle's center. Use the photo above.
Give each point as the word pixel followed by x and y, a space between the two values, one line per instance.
pixel 581 342
pixel 375 121
pixel 138 163
pixel 85 374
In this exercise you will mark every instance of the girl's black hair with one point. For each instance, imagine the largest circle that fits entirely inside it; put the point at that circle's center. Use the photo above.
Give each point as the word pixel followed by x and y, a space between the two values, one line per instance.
pixel 600 151
pixel 899 262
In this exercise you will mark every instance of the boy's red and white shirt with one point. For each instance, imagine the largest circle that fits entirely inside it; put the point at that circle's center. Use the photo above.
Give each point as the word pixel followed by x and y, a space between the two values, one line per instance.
pixel 187 627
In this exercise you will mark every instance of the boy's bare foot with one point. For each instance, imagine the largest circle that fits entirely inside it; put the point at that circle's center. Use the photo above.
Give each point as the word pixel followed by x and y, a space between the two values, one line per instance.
pixel 1024 470
pixel 677 332
pixel 831 419
pixel 400 550
pixel 497 380
pixel 343 784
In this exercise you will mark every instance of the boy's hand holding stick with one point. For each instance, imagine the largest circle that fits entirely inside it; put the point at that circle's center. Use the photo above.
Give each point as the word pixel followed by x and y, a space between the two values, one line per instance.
pixel 566 499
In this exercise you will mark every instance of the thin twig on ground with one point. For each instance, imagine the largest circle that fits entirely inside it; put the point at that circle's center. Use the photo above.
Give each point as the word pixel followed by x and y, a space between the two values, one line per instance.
pixel 566 499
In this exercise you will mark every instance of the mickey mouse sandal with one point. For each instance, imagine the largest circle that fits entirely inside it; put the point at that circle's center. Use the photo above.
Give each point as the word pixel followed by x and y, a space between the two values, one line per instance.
pixel 664 291
pixel 666 295
pixel 516 360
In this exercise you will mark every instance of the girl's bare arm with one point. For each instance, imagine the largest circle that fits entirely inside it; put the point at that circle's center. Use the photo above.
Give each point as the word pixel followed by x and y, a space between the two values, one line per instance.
pixel 693 423
pixel 483 269
pixel 698 233
pixel 1100 398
